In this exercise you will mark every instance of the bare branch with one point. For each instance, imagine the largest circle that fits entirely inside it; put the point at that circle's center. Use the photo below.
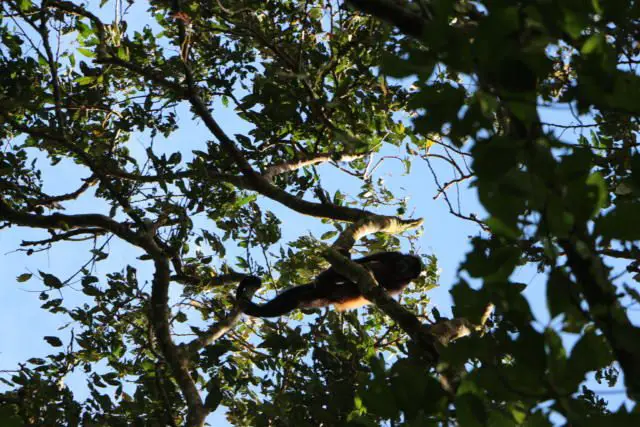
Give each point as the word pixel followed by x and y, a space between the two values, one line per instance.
pixel 578 126
pixel 52 200
pixel 92 232
pixel 446 185
pixel 472 217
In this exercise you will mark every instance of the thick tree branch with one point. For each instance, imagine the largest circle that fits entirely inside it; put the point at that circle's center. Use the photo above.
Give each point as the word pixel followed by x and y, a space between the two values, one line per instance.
pixel 66 222
pixel 177 360
pixel 373 224
pixel 284 167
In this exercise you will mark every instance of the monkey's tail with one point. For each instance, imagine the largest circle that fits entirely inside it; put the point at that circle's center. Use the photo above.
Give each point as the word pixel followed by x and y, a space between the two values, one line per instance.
pixel 287 301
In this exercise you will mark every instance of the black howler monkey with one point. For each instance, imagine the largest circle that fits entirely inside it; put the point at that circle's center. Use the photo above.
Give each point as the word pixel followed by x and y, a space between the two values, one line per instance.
pixel 392 270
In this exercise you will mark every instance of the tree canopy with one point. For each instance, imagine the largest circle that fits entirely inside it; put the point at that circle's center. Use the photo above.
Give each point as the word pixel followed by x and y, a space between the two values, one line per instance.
pixel 253 99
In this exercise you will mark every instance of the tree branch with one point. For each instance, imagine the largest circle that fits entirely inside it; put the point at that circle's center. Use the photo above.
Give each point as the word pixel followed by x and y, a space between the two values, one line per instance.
pixel 373 224
pixel 284 167
pixel 177 360
pixel 65 236
pixel 52 200
pixel 66 222
pixel 237 181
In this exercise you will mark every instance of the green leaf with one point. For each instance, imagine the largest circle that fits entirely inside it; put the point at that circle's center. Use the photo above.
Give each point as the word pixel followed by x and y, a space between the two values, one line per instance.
pixel 84 30
pixel 111 378
pixel 9 416
pixel 573 23
pixel 558 220
pixel 617 420
pixel 328 235
pixel 241 201
pixel 24 277
pixel 24 5
pixel 53 341
pixel 442 102
pixel 123 53
pixel 471 410
pixel 242 263
pixel 86 80
pixel 597 181
pixel 88 280
pixel 559 295
pixel 621 223
pixel 556 355
pixel 51 280
pixel 591 352
pixel 595 43
pixel 175 158
pixel 91 291
pixel 180 317
pixel 87 52
pixel 499 419
pixel 499 227
pixel 537 419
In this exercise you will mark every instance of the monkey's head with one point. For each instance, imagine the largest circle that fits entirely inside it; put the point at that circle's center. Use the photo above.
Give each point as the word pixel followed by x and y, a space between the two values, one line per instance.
pixel 409 267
